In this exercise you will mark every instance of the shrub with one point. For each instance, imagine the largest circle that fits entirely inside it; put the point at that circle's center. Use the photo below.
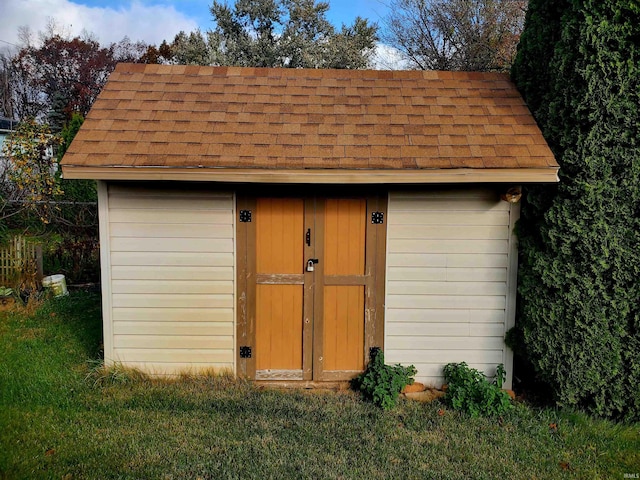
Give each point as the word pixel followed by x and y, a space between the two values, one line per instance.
pixel 578 68
pixel 383 383
pixel 74 254
pixel 469 391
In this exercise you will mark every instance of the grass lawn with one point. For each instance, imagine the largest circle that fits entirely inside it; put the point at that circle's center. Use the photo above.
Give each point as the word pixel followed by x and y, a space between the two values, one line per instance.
pixel 60 420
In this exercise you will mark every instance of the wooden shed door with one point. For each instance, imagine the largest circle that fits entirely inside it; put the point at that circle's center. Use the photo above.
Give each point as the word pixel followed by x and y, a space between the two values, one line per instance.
pixel 302 324
pixel 340 288
pixel 279 289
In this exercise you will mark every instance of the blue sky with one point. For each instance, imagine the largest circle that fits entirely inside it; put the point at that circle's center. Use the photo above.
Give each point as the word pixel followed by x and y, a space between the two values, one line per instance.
pixel 340 11
pixel 148 20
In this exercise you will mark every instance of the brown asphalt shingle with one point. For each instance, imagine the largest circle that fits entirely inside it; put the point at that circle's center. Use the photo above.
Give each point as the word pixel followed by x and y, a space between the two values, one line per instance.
pixel 185 116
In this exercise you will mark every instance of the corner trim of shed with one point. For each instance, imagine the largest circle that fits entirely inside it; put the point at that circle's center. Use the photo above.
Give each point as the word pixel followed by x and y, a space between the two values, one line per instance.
pixel 105 268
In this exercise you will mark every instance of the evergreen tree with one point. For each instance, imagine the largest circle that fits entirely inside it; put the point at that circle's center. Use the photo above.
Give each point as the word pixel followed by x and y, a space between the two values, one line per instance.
pixel 287 33
pixel 190 49
pixel 578 67
pixel 58 113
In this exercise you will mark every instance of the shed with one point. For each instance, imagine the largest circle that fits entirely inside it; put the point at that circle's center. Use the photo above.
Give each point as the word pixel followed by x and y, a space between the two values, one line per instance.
pixel 280 223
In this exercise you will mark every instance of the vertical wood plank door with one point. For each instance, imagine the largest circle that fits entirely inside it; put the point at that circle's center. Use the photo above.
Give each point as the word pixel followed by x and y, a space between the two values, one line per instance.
pixel 343 306
pixel 279 288
pixel 310 324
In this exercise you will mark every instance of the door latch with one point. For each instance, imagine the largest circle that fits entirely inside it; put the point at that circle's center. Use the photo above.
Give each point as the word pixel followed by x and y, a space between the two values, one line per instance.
pixel 310 264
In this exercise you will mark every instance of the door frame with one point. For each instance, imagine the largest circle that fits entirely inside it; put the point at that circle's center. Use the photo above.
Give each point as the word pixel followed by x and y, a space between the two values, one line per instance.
pixel 375 262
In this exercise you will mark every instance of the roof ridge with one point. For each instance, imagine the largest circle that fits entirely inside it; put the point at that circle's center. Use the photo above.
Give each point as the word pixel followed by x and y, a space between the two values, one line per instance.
pixel 231 71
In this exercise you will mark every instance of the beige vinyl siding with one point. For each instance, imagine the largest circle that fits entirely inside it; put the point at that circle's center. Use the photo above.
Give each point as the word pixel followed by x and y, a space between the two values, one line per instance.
pixel 448 288
pixel 171 263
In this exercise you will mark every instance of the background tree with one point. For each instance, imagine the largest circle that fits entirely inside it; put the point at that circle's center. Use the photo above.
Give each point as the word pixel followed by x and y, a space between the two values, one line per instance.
pixel 353 46
pixel 51 80
pixel 74 190
pixel 307 34
pixel 129 51
pixel 6 91
pixel 76 69
pixel 161 54
pixel 25 96
pixel 246 35
pixel 478 35
pixel 287 33
pixel 578 67
pixel 191 49
pixel 27 177
pixel 59 111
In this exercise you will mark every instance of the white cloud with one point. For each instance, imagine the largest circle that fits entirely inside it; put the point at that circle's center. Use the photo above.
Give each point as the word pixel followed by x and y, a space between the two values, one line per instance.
pixel 149 23
pixel 388 58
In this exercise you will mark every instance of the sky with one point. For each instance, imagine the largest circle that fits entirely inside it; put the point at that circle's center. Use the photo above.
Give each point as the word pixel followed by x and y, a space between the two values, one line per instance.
pixel 148 20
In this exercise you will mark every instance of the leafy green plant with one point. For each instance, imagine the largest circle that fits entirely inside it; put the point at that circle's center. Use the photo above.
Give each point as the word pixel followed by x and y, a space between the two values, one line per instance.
pixel 28 185
pixel 383 383
pixel 471 392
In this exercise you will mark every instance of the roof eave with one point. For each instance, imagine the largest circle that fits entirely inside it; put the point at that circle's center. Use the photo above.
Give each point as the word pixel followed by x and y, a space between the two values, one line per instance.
pixel 315 176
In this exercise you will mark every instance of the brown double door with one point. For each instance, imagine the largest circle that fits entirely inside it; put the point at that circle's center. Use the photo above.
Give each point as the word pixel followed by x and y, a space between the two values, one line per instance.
pixel 313 299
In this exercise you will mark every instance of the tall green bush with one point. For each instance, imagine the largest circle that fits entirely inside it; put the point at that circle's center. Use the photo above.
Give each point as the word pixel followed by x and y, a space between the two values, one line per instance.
pixel 578 68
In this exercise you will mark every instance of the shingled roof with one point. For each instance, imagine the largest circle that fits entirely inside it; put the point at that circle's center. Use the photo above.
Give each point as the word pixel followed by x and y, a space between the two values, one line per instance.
pixel 326 126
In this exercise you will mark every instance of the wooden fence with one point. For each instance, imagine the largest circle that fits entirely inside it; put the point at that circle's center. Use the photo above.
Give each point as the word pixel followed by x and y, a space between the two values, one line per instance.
pixel 19 257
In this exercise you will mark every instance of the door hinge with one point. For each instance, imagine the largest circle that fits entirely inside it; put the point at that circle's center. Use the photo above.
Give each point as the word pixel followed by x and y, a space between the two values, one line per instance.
pixel 377 217
pixel 245 352
pixel 245 216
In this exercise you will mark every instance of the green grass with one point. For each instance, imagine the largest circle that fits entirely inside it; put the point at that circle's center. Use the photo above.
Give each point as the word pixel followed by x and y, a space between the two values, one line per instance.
pixel 60 419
